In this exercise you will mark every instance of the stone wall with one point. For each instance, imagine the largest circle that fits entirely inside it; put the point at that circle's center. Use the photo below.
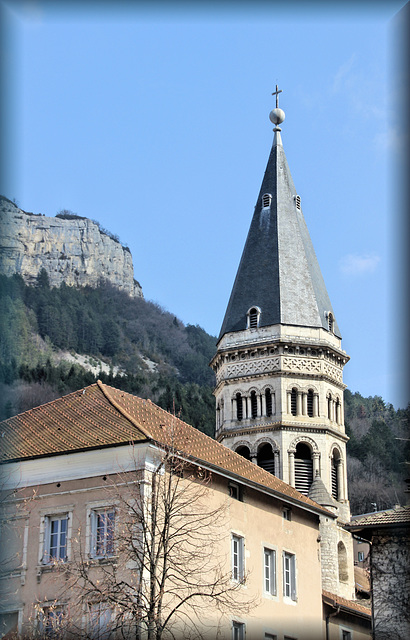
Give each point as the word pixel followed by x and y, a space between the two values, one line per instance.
pixel 391 584
pixel 73 251
pixel 337 567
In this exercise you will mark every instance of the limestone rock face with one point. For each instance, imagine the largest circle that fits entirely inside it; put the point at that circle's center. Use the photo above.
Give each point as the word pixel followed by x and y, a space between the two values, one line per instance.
pixel 73 251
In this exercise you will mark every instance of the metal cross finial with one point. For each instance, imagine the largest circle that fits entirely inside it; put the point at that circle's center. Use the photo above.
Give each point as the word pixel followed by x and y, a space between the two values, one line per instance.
pixel 276 93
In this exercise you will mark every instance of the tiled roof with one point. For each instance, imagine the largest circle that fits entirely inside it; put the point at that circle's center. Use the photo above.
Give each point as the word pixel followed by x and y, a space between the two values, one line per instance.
pixel 344 603
pixel 81 420
pixel 100 416
pixel 392 517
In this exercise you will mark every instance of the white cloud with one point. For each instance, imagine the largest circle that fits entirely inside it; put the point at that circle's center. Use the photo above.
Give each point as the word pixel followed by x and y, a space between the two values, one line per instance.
pixel 343 76
pixel 361 89
pixel 357 265
pixel 389 139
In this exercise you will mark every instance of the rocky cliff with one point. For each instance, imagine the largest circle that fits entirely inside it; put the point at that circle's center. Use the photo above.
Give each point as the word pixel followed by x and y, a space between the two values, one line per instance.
pixel 75 251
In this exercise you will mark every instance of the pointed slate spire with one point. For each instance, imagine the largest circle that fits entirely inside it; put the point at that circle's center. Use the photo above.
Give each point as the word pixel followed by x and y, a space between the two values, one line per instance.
pixel 320 494
pixel 279 271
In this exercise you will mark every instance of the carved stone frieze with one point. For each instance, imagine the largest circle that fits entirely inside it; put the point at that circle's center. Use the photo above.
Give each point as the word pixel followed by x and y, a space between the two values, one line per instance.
pixel 333 372
pixel 246 364
pixel 304 365
pixel 247 367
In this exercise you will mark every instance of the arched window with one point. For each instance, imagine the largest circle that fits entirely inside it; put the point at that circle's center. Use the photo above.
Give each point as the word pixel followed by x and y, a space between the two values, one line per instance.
pixel 329 406
pixel 303 468
pixel 266 458
pixel 293 402
pixel 335 480
pixel 253 318
pixel 266 200
pixel 310 403
pixel 268 397
pixel 342 562
pixel 244 452
pixel 254 404
pixel 239 407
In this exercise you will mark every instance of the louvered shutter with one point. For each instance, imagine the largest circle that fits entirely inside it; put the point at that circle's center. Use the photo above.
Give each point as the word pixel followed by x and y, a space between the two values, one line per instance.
pixel 303 475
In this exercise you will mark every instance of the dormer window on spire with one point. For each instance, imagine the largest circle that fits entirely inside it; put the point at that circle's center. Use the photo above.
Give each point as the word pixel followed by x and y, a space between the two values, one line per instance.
pixel 253 315
pixel 330 321
pixel 266 200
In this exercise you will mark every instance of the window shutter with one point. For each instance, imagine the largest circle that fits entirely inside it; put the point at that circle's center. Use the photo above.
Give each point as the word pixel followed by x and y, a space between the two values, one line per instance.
pixel 46 541
pixel 293 577
pixel 241 557
pixel 93 533
pixel 274 572
pixel 283 574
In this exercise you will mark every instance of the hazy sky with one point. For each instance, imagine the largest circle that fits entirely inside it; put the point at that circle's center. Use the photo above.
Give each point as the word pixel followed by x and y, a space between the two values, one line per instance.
pixel 152 118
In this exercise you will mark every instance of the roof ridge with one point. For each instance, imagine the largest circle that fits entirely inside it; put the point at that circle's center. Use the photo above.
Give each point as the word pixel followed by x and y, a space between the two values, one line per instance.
pixel 121 409
pixel 156 407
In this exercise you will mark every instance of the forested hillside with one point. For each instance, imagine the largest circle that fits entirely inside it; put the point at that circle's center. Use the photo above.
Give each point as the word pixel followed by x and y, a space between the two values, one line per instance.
pixel 378 452
pixel 148 351
pixel 56 340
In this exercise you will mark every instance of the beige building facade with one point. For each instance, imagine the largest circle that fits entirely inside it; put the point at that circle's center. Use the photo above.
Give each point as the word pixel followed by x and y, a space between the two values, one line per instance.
pixel 57 501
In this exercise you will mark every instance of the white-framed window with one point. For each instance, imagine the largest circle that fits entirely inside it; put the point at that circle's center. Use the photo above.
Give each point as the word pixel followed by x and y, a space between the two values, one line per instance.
pixel 360 556
pixel 270 636
pixel 287 513
pixel 237 552
pixel 101 620
pixel 238 630
pixel 346 634
pixel 289 575
pixel 102 532
pixel 269 571
pixel 55 534
pixel 52 620
pixel 55 538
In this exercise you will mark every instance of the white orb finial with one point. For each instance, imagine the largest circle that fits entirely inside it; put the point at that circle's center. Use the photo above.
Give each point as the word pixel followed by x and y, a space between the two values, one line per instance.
pixel 277 115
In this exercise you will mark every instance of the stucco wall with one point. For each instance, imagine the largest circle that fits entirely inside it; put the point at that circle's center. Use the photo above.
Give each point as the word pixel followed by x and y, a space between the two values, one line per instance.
pixel 258 519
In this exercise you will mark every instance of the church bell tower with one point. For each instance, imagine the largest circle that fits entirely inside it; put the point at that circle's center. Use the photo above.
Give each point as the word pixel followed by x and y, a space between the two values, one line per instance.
pixel 279 362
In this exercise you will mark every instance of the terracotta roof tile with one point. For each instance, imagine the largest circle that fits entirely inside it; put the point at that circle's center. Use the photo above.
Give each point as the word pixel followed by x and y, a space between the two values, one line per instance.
pixel 345 603
pixel 81 420
pixel 100 415
pixel 395 516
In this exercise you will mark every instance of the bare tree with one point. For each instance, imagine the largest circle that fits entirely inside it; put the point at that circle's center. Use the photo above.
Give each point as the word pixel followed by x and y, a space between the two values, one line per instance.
pixel 165 564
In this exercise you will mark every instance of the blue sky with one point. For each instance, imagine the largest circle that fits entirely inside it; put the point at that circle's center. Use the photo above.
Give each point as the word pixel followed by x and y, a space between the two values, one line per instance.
pixel 152 118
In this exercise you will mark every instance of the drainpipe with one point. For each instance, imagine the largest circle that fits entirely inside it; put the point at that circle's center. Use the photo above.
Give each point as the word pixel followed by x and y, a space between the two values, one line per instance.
pixel 371 590
pixel 331 615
